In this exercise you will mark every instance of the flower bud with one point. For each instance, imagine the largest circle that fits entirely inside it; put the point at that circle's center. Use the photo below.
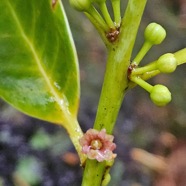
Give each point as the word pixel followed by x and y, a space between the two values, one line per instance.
pixel 167 63
pixel 80 5
pixel 154 33
pixel 160 95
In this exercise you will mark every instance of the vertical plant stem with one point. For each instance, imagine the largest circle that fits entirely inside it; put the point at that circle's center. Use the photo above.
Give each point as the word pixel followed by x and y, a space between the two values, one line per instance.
pixel 116 81
pixel 92 172
pixel 115 84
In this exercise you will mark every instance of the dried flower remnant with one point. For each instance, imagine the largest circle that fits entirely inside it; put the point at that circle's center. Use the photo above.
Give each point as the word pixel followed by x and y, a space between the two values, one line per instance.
pixel 98 145
pixel 113 35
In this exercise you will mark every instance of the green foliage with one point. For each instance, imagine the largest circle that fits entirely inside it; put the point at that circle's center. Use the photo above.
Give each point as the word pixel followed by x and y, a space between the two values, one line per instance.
pixel 38 64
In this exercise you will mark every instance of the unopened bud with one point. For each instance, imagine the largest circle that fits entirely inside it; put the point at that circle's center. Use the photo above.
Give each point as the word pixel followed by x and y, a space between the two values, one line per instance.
pixel 154 33
pixel 160 95
pixel 167 63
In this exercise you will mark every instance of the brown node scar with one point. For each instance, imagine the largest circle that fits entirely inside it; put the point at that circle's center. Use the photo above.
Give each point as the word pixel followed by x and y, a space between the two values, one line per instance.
pixel 130 69
pixel 112 35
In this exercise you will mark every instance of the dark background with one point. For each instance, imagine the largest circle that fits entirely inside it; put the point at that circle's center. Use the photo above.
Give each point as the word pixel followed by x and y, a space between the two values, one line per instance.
pixel 33 152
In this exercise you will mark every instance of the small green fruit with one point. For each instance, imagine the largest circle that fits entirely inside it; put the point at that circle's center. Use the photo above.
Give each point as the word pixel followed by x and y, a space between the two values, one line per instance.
pixel 80 5
pixel 160 95
pixel 154 33
pixel 167 63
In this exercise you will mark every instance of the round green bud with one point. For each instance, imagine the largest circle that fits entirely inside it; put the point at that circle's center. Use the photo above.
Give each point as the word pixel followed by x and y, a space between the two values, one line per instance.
pixel 167 63
pixel 80 5
pixel 154 33
pixel 160 95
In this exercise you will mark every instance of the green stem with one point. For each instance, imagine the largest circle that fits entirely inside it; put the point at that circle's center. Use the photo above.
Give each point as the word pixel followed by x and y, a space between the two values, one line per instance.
pixel 144 49
pixel 141 70
pixel 92 172
pixel 141 83
pixel 149 75
pixel 75 133
pixel 115 84
pixel 97 17
pixel 180 56
pixel 100 30
pixel 104 10
pixel 117 12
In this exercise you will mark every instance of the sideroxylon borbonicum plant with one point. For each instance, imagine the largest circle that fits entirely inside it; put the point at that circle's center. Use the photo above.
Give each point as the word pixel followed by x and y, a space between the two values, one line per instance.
pixel 40 73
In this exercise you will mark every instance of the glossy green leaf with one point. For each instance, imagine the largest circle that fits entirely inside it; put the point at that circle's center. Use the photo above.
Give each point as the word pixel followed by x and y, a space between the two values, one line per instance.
pixel 38 63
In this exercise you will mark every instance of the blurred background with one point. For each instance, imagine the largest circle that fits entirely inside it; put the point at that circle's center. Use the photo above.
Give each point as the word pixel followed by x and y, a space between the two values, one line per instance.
pixel 37 153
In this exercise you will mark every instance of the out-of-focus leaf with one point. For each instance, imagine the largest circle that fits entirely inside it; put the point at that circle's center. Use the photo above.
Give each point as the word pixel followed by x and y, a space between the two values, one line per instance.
pixel 41 140
pixel 29 170
pixel 38 64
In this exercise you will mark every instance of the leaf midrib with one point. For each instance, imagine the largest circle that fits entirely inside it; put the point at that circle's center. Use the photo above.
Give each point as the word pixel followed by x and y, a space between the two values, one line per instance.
pixel 62 102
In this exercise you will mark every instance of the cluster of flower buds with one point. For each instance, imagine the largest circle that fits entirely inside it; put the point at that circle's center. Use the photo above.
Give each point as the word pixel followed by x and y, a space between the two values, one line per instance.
pixel 103 20
pixel 167 63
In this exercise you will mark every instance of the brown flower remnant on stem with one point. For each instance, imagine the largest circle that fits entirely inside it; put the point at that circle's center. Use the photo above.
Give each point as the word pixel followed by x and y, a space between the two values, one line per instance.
pixel 98 145
pixel 113 35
